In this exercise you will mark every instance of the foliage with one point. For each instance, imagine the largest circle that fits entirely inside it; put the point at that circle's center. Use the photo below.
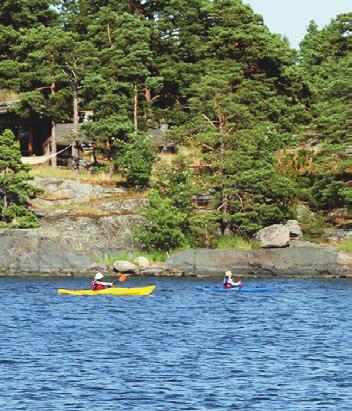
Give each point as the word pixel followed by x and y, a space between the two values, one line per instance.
pixel 326 61
pixel 15 189
pixel 346 246
pixel 312 224
pixel 162 229
pixel 135 157
pixel 222 82
pixel 236 242
pixel 203 230
pixel 20 217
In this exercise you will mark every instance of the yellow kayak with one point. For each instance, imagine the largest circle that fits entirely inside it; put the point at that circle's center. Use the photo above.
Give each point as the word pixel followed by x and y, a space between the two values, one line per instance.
pixel 111 291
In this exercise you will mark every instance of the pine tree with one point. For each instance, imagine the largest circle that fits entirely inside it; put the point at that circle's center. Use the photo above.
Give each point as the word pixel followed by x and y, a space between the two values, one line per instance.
pixel 239 116
pixel 326 61
pixel 15 189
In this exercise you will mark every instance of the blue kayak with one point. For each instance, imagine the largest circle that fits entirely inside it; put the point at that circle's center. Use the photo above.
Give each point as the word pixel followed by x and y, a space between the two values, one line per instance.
pixel 240 289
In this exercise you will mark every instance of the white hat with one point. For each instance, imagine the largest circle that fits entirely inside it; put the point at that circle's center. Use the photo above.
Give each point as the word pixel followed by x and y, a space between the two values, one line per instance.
pixel 98 276
pixel 228 273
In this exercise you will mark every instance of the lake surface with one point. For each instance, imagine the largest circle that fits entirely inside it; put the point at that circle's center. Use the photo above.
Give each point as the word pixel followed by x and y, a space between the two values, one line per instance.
pixel 180 349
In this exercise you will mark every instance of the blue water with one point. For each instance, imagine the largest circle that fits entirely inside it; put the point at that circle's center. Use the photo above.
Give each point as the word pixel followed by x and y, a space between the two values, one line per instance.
pixel 180 349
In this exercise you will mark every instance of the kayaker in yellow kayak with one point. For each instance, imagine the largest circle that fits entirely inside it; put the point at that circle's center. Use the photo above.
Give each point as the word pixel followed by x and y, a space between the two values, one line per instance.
pixel 228 281
pixel 96 284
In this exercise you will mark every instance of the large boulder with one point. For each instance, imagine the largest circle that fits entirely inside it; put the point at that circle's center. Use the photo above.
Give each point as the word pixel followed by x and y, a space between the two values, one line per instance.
pixel 124 266
pixel 274 236
pixel 294 228
pixel 141 262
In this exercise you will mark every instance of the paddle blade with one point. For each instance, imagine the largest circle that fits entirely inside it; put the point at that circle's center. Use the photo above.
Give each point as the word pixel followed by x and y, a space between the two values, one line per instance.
pixel 122 278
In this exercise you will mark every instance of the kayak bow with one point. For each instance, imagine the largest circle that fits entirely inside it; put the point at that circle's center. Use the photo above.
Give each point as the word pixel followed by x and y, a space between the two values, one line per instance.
pixel 111 291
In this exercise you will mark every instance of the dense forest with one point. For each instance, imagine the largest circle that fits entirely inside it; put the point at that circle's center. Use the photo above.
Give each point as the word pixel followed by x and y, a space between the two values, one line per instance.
pixel 269 127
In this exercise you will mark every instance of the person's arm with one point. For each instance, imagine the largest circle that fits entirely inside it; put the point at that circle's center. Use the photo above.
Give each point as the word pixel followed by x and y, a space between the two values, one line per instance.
pixel 105 283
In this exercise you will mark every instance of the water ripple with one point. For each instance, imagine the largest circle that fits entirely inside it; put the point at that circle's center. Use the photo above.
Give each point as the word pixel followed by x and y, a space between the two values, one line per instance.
pixel 182 349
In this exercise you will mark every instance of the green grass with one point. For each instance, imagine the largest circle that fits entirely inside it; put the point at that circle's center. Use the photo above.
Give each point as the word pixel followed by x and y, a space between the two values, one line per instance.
pixel 346 246
pixel 155 256
pixel 237 243
pixel 82 175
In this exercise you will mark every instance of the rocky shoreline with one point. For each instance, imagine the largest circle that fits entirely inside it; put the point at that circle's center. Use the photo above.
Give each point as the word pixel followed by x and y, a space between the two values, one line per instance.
pixel 304 260
pixel 83 224
pixel 24 252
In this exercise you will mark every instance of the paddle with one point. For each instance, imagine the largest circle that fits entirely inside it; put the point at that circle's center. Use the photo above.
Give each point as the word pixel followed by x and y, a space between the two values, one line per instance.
pixel 122 278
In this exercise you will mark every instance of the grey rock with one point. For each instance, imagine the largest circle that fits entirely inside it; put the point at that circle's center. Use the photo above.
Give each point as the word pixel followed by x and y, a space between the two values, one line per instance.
pixel 152 271
pixel 22 251
pixel 204 262
pixel 339 235
pixel 304 261
pixel 126 206
pixel 124 266
pixel 276 235
pixel 84 232
pixel 294 228
pixel 66 191
pixel 141 262
pixel 295 261
pixel 303 243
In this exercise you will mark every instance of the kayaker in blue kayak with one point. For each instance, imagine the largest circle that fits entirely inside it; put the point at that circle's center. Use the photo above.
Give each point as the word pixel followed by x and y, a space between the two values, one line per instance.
pixel 228 281
pixel 96 284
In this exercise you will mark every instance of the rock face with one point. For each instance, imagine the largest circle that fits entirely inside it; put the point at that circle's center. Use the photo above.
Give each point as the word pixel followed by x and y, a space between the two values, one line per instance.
pixel 28 253
pixel 306 261
pixel 86 215
pixel 209 262
pixel 296 261
pixel 81 223
pixel 276 235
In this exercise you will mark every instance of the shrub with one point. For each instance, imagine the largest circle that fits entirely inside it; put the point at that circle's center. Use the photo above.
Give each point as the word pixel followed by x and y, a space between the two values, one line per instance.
pixel 346 246
pixel 20 217
pixel 312 224
pixel 163 227
pixel 15 189
pixel 135 158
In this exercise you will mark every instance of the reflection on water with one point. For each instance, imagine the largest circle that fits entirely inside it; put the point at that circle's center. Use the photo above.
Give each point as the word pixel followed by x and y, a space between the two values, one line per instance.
pixel 180 349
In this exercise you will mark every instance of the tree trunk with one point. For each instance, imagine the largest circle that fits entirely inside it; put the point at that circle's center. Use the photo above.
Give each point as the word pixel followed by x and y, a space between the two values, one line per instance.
pixel 30 140
pixel 135 111
pixel 53 144
pixel 224 199
pixel 53 122
pixel 147 94
pixel 75 109
pixel 111 165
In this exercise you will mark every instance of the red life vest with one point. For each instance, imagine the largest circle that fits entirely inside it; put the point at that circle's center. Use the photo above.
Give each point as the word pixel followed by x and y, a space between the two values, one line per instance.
pixel 95 287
